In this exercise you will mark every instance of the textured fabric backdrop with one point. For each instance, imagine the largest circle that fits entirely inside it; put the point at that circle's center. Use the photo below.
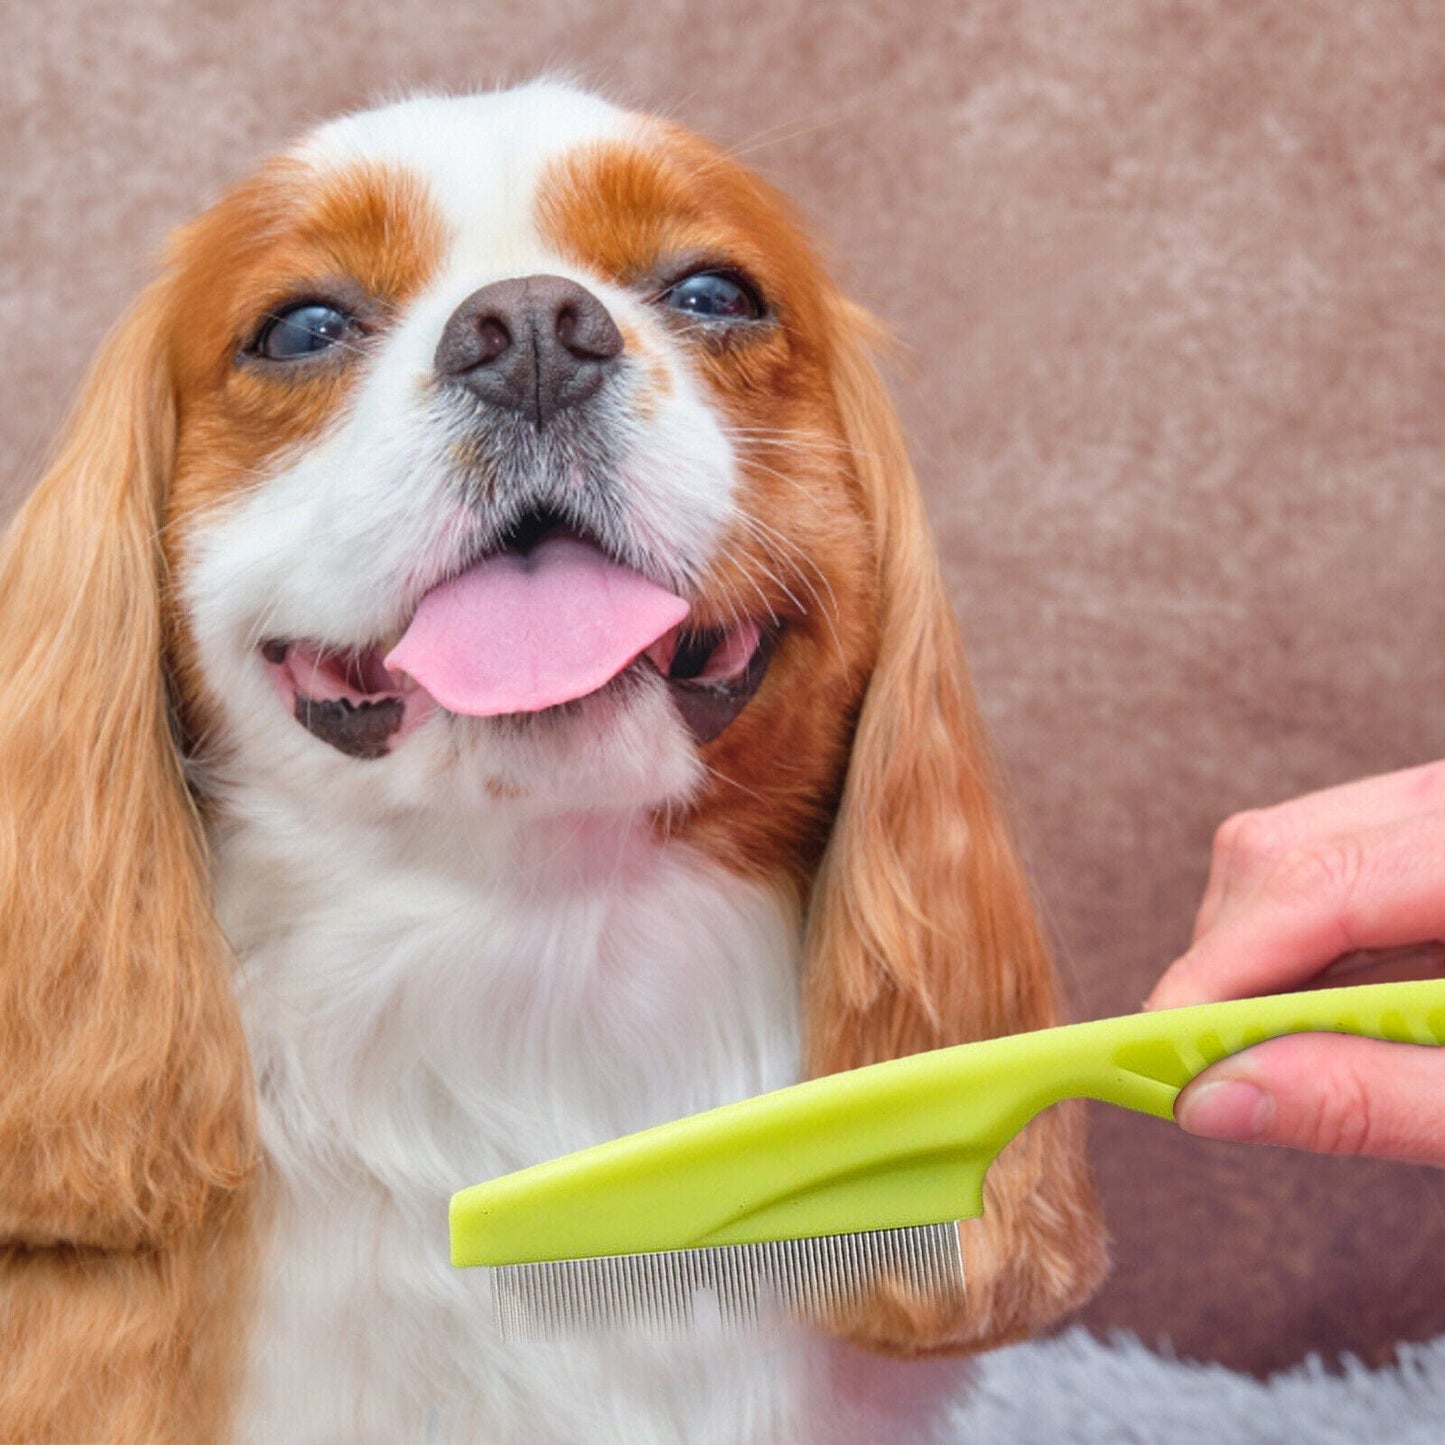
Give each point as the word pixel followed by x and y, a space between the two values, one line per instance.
pixel 1170 283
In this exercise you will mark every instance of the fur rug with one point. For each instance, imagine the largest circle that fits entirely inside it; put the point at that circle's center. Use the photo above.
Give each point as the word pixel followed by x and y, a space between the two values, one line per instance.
pixel 1078 1390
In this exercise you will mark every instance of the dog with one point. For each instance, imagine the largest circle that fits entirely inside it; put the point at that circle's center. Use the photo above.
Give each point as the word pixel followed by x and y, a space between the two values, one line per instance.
pixel 478 682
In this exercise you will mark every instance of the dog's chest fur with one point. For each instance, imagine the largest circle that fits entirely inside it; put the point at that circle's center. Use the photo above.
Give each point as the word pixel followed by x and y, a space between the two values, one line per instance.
pixel 425 1011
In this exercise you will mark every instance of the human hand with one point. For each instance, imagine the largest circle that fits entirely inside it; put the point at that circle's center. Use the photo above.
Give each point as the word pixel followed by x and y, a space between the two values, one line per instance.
pixel 1341 886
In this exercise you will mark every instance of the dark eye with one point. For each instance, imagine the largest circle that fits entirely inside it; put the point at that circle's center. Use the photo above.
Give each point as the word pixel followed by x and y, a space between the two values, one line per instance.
pixel 301 331
pixel 717 295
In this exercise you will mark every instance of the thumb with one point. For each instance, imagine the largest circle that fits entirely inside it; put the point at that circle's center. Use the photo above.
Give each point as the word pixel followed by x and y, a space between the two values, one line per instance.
pixel 1328 1093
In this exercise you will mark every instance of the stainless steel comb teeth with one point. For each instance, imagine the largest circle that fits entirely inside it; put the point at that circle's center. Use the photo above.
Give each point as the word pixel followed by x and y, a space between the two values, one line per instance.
pixel 729 1287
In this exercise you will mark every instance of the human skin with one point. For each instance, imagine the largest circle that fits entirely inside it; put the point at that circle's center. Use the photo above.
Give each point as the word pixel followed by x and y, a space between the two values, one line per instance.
pixel 1344 885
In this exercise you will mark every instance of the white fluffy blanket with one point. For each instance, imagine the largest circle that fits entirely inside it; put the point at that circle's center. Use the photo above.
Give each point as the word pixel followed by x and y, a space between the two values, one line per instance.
pixel 1076 1390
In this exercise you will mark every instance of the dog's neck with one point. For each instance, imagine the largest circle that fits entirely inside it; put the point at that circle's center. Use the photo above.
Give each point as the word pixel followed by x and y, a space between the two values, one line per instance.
pixel 547 980
pixel 425 1011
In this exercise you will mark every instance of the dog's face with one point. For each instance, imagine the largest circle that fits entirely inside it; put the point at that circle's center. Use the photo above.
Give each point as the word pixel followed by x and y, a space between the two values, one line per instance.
pixel 510 470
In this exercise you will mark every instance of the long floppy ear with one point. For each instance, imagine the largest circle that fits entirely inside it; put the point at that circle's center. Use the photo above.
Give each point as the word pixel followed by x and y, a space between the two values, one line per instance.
pixel 126 1116
pixel 124 1091
pixel 921 929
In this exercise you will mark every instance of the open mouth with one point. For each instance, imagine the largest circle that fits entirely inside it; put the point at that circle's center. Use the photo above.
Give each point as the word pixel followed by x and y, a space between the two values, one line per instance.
pixel 545 621
pixel 712 674
pixel 347 697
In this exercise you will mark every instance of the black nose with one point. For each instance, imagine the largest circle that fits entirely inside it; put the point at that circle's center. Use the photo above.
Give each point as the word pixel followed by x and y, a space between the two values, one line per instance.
pixel 533 344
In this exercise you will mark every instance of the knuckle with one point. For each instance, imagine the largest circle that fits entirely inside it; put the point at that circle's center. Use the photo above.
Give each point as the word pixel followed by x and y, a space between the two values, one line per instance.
pixel 1324 874
pixel 1257 836
pixel 1341 1119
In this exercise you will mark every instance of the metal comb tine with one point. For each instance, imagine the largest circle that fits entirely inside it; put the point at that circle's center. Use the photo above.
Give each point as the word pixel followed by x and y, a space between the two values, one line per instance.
pixel 754 1285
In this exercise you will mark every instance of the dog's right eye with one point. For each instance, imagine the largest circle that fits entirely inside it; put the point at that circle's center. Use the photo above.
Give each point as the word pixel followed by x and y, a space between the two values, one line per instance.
pixel 301 331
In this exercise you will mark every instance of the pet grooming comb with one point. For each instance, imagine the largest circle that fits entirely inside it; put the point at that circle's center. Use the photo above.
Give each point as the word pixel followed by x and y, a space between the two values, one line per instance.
pixel 804 1201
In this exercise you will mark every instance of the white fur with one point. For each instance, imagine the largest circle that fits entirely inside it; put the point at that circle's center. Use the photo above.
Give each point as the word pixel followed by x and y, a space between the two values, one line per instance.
pixel 431 1008
pixel 475 953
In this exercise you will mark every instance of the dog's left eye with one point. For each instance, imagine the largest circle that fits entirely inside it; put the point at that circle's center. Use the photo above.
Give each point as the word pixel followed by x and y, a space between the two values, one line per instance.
pixel 716 295
pixel 301 331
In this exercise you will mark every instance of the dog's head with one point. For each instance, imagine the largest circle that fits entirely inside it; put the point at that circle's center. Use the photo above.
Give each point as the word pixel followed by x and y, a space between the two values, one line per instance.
pixel 507 454
pixel 517 468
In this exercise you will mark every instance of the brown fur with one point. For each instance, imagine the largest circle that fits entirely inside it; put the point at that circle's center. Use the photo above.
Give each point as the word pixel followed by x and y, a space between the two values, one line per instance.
pixel 922 931
pixel 126 1130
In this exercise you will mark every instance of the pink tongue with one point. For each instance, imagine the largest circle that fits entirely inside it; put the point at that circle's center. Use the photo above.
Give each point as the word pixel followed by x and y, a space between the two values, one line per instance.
pixel 520 633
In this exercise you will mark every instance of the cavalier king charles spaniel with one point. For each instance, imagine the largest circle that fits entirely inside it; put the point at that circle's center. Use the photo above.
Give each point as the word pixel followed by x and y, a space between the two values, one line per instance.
pixel 479 683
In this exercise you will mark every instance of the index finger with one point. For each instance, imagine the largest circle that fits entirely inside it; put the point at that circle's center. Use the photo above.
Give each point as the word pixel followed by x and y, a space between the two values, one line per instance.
pixel 1379 888
pixel 1249 845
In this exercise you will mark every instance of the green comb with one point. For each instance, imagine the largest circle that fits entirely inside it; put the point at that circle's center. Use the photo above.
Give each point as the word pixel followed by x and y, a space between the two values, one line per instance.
pixel 800 1201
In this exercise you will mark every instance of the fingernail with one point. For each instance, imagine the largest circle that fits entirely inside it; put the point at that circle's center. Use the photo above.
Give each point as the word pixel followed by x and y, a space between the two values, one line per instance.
pixel 1226 1109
